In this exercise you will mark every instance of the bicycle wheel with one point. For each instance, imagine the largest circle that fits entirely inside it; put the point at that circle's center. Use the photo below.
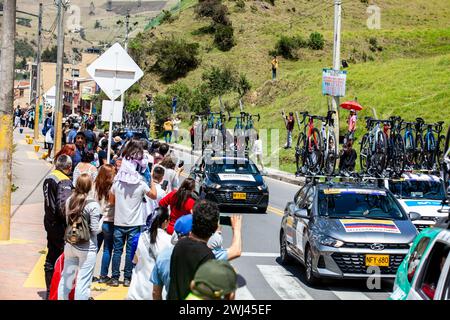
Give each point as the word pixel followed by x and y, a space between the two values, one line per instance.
pixel 380 156
pixel 300 153
pixel 419 158
pixel 314 152
pixel 331 156
pixel 440 152
pixel 364 154
pixel 399 159
pixel 446 162
pixel 410 149
pixel 429 152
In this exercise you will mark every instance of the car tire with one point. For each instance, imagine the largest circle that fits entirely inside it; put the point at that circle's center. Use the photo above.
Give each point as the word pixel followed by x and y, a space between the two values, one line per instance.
pixel 310 278
pixel 262 210
pixel 285 258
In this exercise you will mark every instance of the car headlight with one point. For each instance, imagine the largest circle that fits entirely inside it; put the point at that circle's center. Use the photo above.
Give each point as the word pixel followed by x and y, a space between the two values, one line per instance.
pixel 330 242
pixel 262 187
pixel 215 186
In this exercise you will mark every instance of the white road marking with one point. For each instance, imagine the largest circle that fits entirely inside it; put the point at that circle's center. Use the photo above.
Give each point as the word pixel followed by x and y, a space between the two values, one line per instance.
pixel 244 294
pixel 283 283
pixel 260 254
pixel 349 295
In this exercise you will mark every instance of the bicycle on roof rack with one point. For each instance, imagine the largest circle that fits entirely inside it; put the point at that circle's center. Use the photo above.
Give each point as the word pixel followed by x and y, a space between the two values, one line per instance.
pixel 446 163
pixel 396 147
pixel 308 151
pixel 238 131
pixel 409 141
pixel 215 132
pixel 250 131
pixel 433 147
pixel 373 154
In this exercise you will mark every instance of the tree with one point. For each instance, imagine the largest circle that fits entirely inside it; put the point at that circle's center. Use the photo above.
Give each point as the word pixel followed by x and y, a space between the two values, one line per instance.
pixel 220 81
pixel 97 25
pixel 24 49
pixel 224 37
pixel 50 55
pixel 174 58
pixel 316 41
pixel 183 93
pixel 200 99
pixel 22 64
pixel 243 85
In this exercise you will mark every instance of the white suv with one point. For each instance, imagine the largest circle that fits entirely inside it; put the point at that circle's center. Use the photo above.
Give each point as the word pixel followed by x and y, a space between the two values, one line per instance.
pixel 423 194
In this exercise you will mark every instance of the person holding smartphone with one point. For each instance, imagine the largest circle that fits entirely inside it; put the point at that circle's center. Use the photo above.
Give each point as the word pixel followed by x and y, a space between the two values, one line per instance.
pixel 172 174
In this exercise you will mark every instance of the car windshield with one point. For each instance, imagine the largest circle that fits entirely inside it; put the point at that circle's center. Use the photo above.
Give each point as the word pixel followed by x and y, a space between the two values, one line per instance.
pixel 232 167
pixel 361 204
pixel 414 189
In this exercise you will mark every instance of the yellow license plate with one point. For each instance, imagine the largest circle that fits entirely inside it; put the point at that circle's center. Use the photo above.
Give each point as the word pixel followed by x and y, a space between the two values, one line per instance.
pixel 377 260
pixel 239 196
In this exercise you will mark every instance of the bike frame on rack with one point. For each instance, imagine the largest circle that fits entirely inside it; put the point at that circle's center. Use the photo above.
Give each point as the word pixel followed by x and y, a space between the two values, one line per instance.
pixel 308 139
pixel 327 132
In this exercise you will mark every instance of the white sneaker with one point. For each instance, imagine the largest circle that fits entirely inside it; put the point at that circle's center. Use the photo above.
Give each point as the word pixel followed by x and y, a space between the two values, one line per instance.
pixel 49 159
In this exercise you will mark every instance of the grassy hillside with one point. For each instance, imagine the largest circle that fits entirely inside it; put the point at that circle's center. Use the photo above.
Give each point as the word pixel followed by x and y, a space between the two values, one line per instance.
pixel 409 76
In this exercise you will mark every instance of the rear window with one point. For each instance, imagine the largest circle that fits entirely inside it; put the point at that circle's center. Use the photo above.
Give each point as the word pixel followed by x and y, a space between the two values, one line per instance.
pixel 359 203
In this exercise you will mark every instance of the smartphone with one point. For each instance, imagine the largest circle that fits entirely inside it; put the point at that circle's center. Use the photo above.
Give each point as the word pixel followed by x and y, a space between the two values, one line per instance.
pixel 225 220
pixel 164 185
pixel 181 163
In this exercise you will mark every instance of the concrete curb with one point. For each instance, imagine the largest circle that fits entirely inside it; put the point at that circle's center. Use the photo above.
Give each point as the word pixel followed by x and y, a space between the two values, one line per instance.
pixel 271 173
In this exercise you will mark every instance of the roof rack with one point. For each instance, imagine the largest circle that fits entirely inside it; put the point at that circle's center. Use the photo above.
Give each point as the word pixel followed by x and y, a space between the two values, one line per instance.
pixel 354 178
pixel 433 172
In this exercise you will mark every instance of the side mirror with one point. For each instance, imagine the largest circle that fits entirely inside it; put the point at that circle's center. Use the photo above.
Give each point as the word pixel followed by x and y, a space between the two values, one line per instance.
pixel 414 216
pixel 301 214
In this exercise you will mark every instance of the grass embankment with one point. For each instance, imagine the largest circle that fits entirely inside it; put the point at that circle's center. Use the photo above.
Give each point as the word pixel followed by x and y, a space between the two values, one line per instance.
pixel 408 76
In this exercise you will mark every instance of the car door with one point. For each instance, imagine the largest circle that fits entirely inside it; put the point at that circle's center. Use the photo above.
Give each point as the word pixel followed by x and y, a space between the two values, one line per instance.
pixel 291 207
pixel 302 223
pixel 426 283
pixel 443 288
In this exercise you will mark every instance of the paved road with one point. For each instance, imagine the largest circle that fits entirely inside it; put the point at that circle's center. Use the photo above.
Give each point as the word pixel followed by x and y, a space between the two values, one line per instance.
pixel 259 264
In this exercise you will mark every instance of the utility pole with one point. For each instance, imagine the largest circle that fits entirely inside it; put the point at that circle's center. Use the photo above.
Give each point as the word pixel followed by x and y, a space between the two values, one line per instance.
pixel 127 34
pixel 59 78
pixel 337 62
pixel 7 60
pixel 73 88
pixel 38 80
pixel 127 29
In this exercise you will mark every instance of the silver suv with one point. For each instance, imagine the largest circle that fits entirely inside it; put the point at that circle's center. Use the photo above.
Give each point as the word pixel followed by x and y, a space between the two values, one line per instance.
pixel 345 230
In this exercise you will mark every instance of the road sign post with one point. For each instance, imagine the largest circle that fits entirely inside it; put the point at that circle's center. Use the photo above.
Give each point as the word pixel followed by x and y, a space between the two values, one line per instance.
pixel 114 72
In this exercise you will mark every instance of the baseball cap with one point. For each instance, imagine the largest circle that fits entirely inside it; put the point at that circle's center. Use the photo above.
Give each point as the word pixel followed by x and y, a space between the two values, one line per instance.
pixel 76 125
pixel 215 279
pixel 183 225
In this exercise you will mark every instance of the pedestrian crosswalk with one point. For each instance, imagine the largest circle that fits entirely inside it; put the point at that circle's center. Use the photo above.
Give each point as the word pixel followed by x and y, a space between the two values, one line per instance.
pixel 283 283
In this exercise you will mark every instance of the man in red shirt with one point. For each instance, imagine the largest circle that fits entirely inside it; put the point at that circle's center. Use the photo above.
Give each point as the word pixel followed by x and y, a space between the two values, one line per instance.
pixel 181 202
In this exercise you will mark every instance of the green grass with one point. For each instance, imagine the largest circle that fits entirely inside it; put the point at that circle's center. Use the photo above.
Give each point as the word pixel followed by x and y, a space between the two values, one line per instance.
pixel 410 77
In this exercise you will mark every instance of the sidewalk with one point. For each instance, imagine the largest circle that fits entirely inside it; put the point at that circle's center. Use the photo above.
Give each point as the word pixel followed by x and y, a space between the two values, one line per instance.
pixel 22 258
pixel 19 256
pixel 271 173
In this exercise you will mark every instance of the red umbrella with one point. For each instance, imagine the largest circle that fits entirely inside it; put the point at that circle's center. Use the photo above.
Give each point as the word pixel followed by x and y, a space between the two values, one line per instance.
pixel 349 105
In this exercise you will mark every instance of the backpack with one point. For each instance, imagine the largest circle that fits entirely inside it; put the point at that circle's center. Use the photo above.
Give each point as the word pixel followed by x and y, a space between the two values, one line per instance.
pixel 78 231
